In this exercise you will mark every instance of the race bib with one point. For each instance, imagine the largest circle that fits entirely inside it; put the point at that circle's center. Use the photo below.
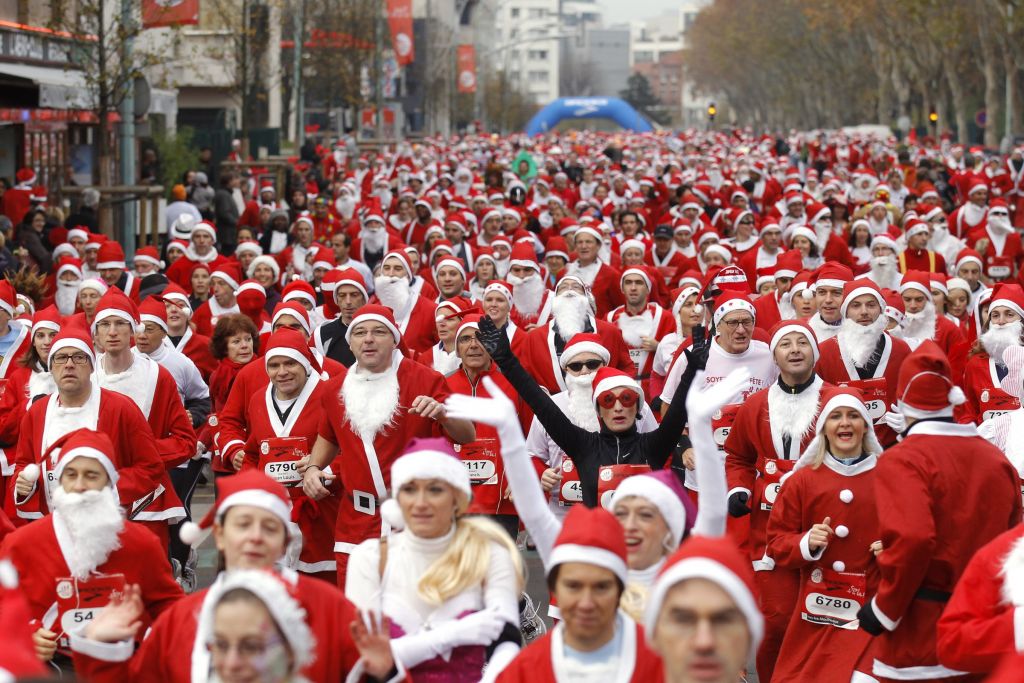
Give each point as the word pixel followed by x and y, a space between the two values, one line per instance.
pixel 637 356
pixel 771 478
pixel 832 598
pixel 721 423
pixel 79 602
pixel 609 478
pixel 875 394
pixel 480 459
pixel 996 402
pixel 570 492
pixel 280 456
pixel 1000 267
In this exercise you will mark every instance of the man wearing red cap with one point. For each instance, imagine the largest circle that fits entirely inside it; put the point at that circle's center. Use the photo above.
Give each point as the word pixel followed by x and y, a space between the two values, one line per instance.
pixel 224 282
pixel 862 355
pixel 643 323
pixel 777 305
pixel 998 243
pixel 450 276
pixel 829 282
pixel 413 313
pixel 374 240
pixel 347 289
pixel 602 279
pixel 73 558
pixel 973 214
pixel 531 299
pixel 917 255
pixel 586 574
pixel 370 412
pixel 111 265
pixel 200 249
pixel 927 546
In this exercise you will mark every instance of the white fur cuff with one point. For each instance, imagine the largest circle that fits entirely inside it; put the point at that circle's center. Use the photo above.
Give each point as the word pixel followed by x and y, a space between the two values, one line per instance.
pixel 805 549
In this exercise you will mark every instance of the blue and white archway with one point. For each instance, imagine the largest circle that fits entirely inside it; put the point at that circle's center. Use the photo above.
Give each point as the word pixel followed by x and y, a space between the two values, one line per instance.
pixel 587 108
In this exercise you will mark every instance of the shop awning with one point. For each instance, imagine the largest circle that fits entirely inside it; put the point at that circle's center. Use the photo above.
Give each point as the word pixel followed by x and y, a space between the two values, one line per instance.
pixel 58 88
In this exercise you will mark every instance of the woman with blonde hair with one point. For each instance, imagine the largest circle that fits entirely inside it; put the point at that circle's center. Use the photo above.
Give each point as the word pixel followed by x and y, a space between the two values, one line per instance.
pixel 448 583
pixel 824 523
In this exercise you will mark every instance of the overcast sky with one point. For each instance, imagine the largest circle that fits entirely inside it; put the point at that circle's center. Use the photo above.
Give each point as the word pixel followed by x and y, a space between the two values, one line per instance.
pixel 622 11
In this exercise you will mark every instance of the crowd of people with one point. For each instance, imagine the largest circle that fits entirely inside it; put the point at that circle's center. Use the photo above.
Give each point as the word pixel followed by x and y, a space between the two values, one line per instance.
pixel 754 401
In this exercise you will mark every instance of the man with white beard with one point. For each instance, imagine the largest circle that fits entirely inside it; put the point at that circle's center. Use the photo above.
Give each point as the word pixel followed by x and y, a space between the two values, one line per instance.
pixel 414 314
pixel 584 355
pixel 71 560
pixel 986 367
pixel 371 412
pixel 885 268
pixel 531 300
pixel 862 355
pixel 828 292
pixel 998 243
pixel 643 323
pixel 921 320
pixel 374 240
pixel 572 312
pixel 69 278
pixel 346 203
pixel 973 214
pixel 941 242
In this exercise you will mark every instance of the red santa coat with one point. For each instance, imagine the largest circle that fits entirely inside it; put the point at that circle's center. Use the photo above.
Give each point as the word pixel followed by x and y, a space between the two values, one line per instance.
pixel 921 259
pixel 364 467
pixel 140 470
pixel 949 337
pixel 540 357
pixel 1015 193
pixel 418 327
pixel 314 517
pixel 206 316
pixel 170 647
pixel 984 620
pixel 544 661
pixel 819 638
pixel 38 552
pixel 838 250
pixel 16 203
pixel 662 323
pixel 959 226
pixel 767 313
pixel 1003 257
pixel 836 367
pixel 197 347
pixel 928 545
pixel 985 396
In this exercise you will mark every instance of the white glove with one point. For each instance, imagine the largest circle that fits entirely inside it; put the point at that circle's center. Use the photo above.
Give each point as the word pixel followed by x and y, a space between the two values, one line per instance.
pixel 498 412
pixel 895 419
pixel 480 628
pixel 703 403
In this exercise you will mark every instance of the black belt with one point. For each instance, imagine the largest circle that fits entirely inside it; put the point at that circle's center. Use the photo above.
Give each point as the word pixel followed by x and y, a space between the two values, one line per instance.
pixel 932 595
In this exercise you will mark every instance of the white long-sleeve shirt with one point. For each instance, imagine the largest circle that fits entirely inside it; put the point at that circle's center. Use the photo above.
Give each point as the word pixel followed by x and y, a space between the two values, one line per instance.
pixel 185 373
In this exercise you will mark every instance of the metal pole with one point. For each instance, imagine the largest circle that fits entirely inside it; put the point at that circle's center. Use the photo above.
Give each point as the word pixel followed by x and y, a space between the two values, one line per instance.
pixel 1008 135
pixel 127 113
pixel 378 89
pixel 299 36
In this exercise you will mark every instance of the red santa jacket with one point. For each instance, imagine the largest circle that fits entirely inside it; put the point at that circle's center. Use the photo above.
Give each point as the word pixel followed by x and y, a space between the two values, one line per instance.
pixel 418 327
pixel 985 396
pixel 1002 258
pixel 38 554
pixel 605 288
pixel 539 317
pixel 927 545
pixel 540 357
pixel 170 646
pixel 206 316
pixel 922 259
pixel 767 313
pixel 960 227
pixel 836 367
pixel 984 619
pixel 197 347
pixel 16 203
pixel 543 660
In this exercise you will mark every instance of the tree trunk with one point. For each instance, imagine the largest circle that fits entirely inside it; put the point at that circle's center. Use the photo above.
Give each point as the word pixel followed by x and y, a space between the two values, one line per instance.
pixel 956 89
pixel 990 70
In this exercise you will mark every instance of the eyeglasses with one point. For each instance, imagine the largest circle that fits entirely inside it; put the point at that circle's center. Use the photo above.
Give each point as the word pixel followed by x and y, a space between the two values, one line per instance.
pixel 733 324
pixel 63 358
pixel 749 221
pixel 627 398
pixel 578 365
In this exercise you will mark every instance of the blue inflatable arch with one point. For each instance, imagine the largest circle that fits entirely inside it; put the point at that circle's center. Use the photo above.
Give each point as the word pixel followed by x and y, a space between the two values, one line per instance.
pixel 587 108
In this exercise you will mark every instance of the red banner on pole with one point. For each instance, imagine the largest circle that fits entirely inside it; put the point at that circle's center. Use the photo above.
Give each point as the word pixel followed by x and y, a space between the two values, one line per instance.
pixel 400 23
pixel 157 13
pixel 465 59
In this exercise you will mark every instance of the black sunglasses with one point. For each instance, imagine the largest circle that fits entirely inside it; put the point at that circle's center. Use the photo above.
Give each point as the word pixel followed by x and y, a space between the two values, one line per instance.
pixel 578 365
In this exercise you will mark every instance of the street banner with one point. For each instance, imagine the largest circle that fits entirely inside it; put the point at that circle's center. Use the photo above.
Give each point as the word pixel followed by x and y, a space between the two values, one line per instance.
pixel 400 23
pixel 466 68
pixel 158 13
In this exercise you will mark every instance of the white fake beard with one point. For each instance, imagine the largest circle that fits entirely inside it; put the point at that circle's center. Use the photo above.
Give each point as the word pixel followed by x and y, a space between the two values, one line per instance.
pixel 822 232
pixel 940 231
pixel 374 239
pixel 393 292
pixel 920 325
pixel 786 310
pixel 878 227
pixel 527 293
pixel 793 414
pixel 570 311
pixel 66 296
pixel 385 198
pixel 858 340
pixel 1000 225
pixel 998 338
pixel 346 206
pixel 883 269
pixel 502 266
pixel 635 327
pixel 371 400
pixel 973 214
pixel 580 406
pixel 94 520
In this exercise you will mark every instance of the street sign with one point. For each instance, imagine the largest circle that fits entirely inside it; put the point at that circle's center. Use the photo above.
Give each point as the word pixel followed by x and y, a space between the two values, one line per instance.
pixel 981 118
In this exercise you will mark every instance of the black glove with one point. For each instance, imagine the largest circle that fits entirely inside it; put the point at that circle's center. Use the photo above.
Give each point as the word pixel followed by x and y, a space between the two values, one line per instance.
pixel 697 355
pixel 738 504
pixel 869 621
pixel 495 341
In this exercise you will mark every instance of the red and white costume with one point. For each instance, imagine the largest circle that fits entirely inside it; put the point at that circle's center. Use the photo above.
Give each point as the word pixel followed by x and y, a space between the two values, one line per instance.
pixel 540 355
pixel 653 322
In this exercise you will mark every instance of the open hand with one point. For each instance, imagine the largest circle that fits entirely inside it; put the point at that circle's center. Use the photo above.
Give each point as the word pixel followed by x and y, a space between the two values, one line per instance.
pixel 371 634
pixel 703 403
pixel 120 619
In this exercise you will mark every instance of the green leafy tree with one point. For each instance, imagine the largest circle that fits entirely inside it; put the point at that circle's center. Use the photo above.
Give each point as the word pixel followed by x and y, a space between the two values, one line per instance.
pixel 639 95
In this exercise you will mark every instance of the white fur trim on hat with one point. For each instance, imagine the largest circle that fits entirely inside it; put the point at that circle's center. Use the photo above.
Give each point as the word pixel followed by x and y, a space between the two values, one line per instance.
pixel 576 349
pixel 155 319
pixel 257 498
pixel 355 283
pixel 71 343
pixel 734 305
pixel 635 271
pixel 300 294
pixel 957 283
pixel 955 397
pixel 687 292
pixel 721 251
pixel 632 244
pixel 663 498
pixel 914 285
pixel 588 554
pixel 303 320
pixel 861 291
pixel 1005 303
pixel 588 230
pixel 206 227
pixel 226 278
pixel 94 284
pixel 498 287
pixel 969 258
pixel 917 229
pixel 288 353
pixel 616 381
pixel 114 313
pixel 428 464
pixel 266 260
pixel 786 329
pixel 87 452
pixel 366 317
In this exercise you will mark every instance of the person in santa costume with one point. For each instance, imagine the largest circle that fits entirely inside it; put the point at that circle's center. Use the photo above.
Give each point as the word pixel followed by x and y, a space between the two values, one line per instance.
pixel 927 546
pixel 828 284
pixel 224 282
pixel 531 299
pixel 776 306
pixel 348 291
pixel 686 317
pixel 862 355
pixel 17 200
pixel 370 412
pixel 413 313
pixel 972 215
pixel 572 310
pixel 450 278
pixel 443 355
pixel 917 256
pixel 29 380
pixel 884 265
pixel 251 526
pixel 497 305
pixel 706 579
pixel 986 367
pixel 921 320
pixel 68 277
pixel 822 524
pixel 601 278
pixel 449 582
pixel 374 240
pixel 15 337
pixel 71 560
pixel 145 489
pixel 642 322
pixel 771 429
pixel 201 249
pixel 998 243
pixel 181 334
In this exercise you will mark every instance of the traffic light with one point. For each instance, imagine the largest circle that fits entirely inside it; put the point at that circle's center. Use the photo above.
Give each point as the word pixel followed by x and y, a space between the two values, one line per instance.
pixel 712 110
pixel 933 117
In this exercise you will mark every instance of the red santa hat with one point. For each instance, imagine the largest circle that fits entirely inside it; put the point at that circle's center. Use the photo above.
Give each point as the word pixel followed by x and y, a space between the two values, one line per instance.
pixel 634 271
pixel 110 255
pixel 288 343
pixel 95 240
pixel 73 338
pixel 591 536
pixel 894 306
pixel 957 283
pixel 431 458
pixel 265 260
pixel 230 273
pixel 299 290
pixel 345 276
pixel 249 247
pixel 968 256
pixel 8 298
pixel 114 304
pixel 860 287
pixel 295 310
pixel 916 226
pixel 303 217
pixel 556 246
pixel 925 388
pixel 153 310
pixel 25 176
pixel 18 659
pixel 249 487
pixel 48 318
pixel 456 307
pixel 148 255
pixel 662 489
pixel 402 258
pixel 175 294
pixel 916 279
pixel 177 245
pixel 323 259
pixel 85 443
pixel 470 322
pixel 937 281
pixel 500 286
pixel 374 313
pixel 712 559
pixel 205 227
pixel 765 276
pixel 976 184
pixel 788 264
pixel 64 250
pixel 784 327
pixel 1008 295
pixel 691 277
pixel 729 301
pixel 608 379
pixel 69 264
pixel 834 398
pixel 833 275
pixel 524 255
pixel 721 250
pixel 588 230
pixel 584 342
pixel 450 262
pixel 632 244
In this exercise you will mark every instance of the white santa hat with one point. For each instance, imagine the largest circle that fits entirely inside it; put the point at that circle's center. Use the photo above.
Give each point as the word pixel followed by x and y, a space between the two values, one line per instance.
pixel 917 228
pixel 348 276
pixel 425 459
pixel 635 271
pixel 957 283
pixel 684 294
pixel 500 286
pixel 249 247
pixel 70 265
pixel 591 536
pixel 65 249
pixel 79 232
pixel 248 487
pixel 593 232
pixel 584 342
